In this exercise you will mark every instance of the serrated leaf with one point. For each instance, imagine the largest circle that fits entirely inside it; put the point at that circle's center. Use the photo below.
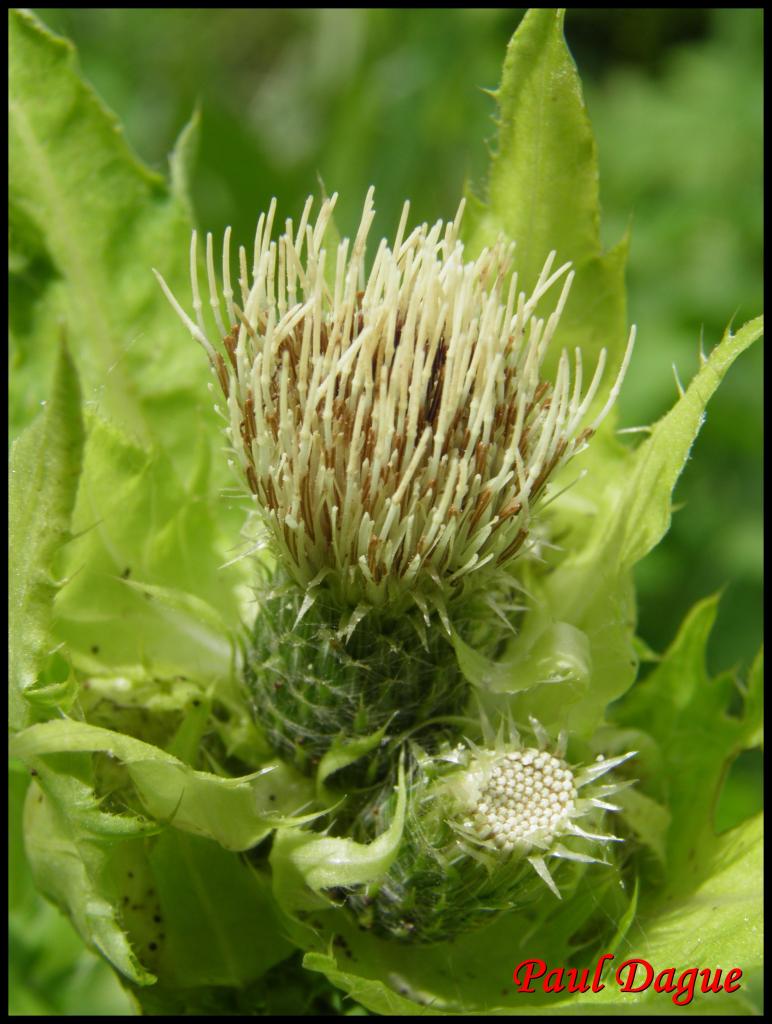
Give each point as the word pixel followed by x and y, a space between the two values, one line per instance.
pixel 642 516
pixel 591 588
pixel 43 481
pixel 237 812
pixel 67 867
pixel 86 218
pixel 180 905
pixel 543 186
pixel 688 714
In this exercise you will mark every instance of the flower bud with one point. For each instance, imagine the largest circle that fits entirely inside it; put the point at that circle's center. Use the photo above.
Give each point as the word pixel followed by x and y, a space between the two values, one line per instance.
pixel 486 830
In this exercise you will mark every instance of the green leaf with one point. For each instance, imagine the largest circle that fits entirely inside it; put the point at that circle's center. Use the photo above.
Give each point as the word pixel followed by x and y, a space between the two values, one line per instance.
pixel 68 867
pixel 305 863
pixel 591 587
pixel 236 812
pixel 341 754
pixel 642 515
pixel 717 925
pixel 88 221
pixel 44 470
pixel 178 908
pixel 182 161
pixel 147 584
pixel 697 732
pixel 220 925
pixel 559 653
pixel 543 186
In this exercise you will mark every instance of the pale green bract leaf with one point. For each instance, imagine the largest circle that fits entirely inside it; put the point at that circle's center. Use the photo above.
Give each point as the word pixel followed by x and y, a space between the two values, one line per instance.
pixel 148 587
pixel 642 515
pixel 340 755
pixel 182 162
pixel 220 924
pixel 305 863
pixel 559 653
pixel 68 858
pixel 718 924
pixel 43 481
pixel 236 812
pixel 88 221
pixel 687 714
pixel 591 587
pixel 179 904
pixel 542 190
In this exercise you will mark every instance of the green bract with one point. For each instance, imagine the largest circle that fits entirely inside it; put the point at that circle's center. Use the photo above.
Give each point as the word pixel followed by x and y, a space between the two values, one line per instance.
pixel 223 779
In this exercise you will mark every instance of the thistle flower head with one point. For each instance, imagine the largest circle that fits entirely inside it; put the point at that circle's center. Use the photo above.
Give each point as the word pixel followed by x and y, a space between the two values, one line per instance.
pixel 392 425
pixel 486 829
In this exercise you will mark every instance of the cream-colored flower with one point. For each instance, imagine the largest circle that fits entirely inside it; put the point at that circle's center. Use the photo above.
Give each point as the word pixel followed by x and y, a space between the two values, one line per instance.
pixel 486 828
pixel 525 801
pixel 393 426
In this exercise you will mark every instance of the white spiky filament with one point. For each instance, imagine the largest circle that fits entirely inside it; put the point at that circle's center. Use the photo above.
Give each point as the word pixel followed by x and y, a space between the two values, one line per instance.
pixel 393 427
pixel 523 802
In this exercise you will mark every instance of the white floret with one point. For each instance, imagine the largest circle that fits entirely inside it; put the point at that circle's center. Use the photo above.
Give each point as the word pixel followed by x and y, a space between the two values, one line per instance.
pixel 529 793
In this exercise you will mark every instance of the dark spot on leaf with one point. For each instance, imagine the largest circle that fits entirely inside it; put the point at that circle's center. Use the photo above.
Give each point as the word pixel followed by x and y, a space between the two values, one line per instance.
pixel 272 796
pixel 131 874
pixel 196 703
pixel 33 771
pixel 157 918
pixel 126 573
pixel 95 648
pixel 153 946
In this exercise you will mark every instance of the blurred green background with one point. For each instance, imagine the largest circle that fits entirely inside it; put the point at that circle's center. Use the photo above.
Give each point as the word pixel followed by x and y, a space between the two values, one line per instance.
pixel 395 98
